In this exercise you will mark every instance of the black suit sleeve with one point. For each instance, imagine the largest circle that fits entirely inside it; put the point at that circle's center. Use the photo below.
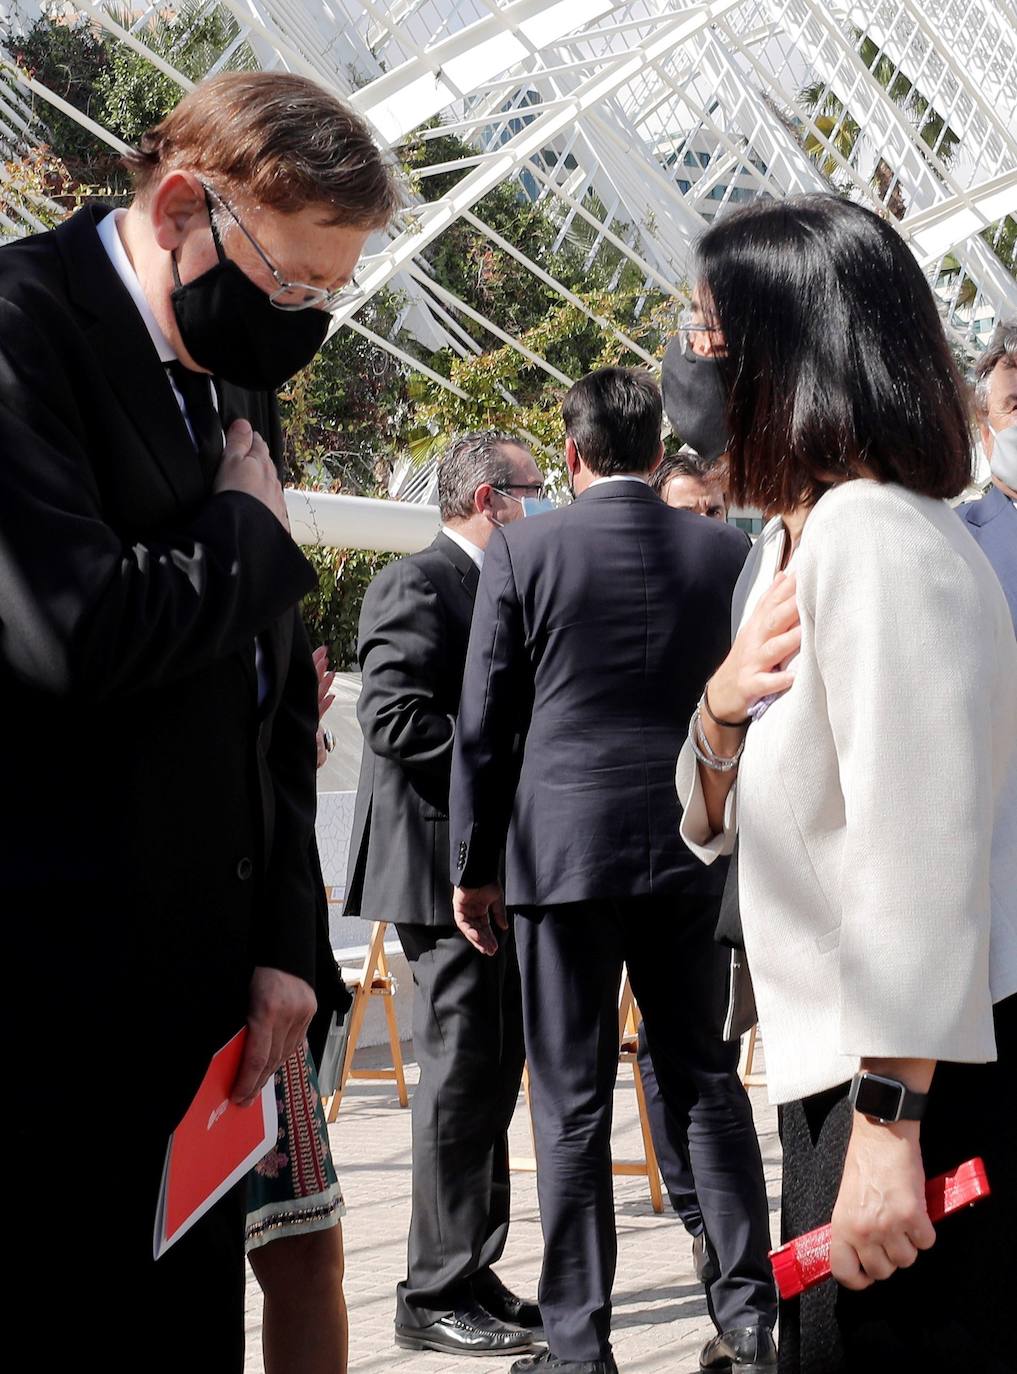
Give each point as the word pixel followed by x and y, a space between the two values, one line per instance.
pixel 485 759
pixel 286 934
pixel 402 634
pixel 83 611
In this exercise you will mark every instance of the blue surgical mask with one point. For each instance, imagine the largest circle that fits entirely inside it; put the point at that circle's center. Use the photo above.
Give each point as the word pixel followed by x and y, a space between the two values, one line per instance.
pixel 532 505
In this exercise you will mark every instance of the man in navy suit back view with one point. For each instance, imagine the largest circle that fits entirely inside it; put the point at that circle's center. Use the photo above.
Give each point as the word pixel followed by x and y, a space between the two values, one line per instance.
pixel 595 630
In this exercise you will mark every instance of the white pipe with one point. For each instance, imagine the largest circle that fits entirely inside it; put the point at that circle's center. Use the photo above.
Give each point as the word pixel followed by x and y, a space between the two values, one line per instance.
pixel 360 522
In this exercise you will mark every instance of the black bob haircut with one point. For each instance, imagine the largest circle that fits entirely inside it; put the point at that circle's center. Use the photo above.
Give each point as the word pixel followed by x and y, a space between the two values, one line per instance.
pixel 836 362
pixel 614 416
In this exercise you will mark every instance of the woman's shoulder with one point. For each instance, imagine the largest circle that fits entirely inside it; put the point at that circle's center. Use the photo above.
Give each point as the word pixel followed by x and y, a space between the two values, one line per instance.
pixel 902 525
pixel 863 501
pixel 901 547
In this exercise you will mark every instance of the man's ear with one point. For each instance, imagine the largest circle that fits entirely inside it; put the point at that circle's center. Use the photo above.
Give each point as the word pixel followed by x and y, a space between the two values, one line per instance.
pixel 175 207
pixel 985 433
pixel 572 456
pixel 659 458
pixel 483 499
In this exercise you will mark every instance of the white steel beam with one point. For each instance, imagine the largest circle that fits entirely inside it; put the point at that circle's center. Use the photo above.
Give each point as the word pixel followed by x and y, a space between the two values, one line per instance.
pixel 433 218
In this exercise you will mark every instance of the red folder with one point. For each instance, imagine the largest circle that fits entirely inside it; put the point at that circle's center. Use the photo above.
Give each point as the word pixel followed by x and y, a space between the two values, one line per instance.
pixel 214 1145
pixel 801 1264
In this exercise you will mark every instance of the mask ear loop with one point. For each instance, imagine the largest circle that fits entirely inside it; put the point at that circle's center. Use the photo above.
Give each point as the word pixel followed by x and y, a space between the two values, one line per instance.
pixel 220 251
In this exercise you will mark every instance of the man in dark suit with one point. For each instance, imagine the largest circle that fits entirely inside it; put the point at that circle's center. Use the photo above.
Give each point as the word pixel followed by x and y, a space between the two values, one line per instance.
pixel 993 518
pixel 467 1031
pixel 595 629
pixel 162 891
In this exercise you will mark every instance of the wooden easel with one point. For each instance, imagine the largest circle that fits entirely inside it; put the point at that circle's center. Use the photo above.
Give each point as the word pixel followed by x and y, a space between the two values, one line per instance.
pixel 372 979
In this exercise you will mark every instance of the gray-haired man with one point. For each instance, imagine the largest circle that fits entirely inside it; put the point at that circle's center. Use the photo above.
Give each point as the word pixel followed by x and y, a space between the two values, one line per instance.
pixel 467 1025
pixel 993 518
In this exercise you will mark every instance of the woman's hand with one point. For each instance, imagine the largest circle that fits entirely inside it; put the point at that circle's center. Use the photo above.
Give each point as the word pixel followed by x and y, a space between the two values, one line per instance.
pixel 880 1221
pixel 752 669
pixel 325 699
pixel 325 679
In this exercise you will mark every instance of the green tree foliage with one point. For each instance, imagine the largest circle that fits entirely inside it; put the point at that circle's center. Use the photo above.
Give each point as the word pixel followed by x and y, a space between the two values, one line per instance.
pixel 332 610
pixel 504 389
pixel 349 411
pixel 1002 239
pixel 69 57
pixel 115 86
pixel 135 95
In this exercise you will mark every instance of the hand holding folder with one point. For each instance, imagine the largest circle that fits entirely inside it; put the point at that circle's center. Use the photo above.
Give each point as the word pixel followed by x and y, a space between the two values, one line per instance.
pixel 214 1145
pixel 801 1264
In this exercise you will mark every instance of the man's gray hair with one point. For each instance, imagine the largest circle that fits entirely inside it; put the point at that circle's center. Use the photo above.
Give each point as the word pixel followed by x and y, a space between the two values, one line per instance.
pixel 1002 349
pixel 469 463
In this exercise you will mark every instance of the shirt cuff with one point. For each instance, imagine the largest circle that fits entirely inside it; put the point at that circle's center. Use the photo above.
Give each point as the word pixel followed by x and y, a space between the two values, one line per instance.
pixel 695 825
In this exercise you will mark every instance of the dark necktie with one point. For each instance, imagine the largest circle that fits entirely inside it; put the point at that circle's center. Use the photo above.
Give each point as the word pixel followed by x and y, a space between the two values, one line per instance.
pixel 196 389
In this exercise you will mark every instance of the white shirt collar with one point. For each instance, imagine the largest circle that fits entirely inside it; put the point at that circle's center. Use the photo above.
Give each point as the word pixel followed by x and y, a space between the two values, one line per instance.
pixel 618 477
pixel 477 554
pixel 109 237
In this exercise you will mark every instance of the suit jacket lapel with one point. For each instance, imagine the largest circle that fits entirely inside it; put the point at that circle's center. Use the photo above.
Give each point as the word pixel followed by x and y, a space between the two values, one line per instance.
pixel 236 403
pixel 464 565
pixel 128 357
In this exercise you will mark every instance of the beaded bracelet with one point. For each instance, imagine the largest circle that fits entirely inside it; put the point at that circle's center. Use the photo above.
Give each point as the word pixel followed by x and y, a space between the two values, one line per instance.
pixel 704 751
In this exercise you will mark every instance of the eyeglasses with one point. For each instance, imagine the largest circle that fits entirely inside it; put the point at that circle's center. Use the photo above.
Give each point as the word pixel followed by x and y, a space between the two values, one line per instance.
pixel 690 323
pixel 534 489
pixel 289 295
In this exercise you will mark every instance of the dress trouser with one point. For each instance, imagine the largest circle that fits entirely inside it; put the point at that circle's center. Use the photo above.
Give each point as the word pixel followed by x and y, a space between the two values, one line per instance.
pixel 669 1127
pixel 570 960
pixel 467 1036
pixel 952 1310
pixel 83 1281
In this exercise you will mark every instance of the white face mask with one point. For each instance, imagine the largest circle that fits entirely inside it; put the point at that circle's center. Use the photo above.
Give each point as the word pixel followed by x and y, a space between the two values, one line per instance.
pixel 1003 460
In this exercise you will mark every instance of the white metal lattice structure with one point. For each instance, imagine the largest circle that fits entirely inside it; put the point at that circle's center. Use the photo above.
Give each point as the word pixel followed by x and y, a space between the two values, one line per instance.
pixel 651 114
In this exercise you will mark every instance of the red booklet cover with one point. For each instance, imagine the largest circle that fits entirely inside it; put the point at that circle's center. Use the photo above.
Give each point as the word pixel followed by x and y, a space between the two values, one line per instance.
pixel 800 1264
pixel 214 1145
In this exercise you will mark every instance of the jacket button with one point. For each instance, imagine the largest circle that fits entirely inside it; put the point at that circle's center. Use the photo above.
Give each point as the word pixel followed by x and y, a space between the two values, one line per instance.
pixel 244 870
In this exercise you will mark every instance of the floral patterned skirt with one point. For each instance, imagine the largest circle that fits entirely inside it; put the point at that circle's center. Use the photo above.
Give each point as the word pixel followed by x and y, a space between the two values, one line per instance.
pixel 294 1189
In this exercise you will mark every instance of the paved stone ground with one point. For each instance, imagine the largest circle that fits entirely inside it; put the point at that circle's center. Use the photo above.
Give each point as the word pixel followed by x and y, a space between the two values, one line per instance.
pixel 660 1317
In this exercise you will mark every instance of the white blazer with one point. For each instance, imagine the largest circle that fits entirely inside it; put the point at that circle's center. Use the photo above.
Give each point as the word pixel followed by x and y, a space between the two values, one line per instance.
pixel 876 801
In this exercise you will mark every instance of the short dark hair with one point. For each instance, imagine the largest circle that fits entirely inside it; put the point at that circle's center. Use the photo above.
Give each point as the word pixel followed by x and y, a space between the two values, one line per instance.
pixel 274 139
pixel 614 415
pixel 469 462
pixel 836 361
pixel 1002 348
pixel 685 463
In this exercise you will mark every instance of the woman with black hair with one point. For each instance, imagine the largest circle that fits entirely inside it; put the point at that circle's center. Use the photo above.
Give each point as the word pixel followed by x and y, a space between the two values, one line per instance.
pixel 862 738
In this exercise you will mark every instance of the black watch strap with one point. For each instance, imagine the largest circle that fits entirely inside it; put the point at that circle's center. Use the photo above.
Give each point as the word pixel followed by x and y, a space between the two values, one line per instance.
pixel 885 1099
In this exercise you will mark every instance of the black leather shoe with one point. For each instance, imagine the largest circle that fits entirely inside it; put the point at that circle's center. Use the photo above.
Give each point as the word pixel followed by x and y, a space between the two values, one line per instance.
pixel 704 1260
pixel 534 1364
pixel 746 1350
pixel 502 1303
pixel 466 1331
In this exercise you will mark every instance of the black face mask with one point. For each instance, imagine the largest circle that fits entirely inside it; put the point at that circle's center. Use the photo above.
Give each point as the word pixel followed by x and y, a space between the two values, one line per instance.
pixel 230 326
pixel 695 400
